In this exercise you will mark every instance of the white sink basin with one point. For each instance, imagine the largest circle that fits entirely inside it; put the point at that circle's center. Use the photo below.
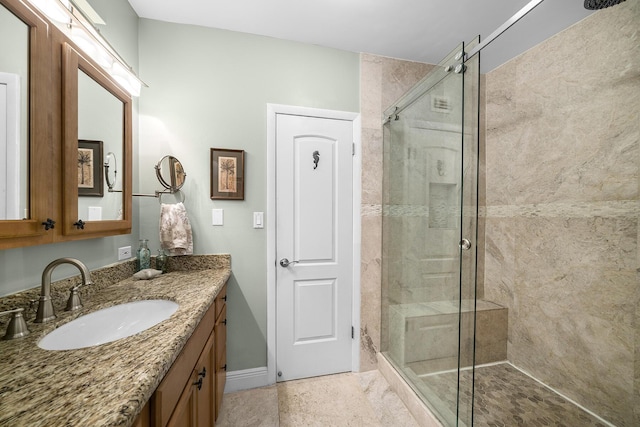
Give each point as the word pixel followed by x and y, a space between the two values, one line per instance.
pixel 109 324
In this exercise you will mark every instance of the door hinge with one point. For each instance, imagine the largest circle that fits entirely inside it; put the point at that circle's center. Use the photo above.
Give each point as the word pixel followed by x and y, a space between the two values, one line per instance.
pixel 353 331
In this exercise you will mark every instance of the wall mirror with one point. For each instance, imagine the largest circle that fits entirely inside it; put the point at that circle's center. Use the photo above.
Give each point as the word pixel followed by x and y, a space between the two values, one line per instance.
pixel 97 120
pixel 111 172
pixel 25 151
pixel 170 173
pixel 14 116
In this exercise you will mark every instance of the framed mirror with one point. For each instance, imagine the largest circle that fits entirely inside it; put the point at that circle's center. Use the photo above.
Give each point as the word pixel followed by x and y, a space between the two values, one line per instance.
pixel 25 149
pixel 96 120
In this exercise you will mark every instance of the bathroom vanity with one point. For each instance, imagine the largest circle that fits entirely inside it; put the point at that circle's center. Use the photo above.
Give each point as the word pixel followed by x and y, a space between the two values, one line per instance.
pixel 170 374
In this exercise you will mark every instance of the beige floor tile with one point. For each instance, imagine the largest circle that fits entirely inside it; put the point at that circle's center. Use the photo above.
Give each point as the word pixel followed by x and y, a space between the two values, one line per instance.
pixel 386 404
pixel 350 399
pixel 250 408
pixel 334 400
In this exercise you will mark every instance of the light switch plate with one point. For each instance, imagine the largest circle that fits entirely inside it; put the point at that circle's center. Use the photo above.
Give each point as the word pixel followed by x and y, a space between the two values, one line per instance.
pixel 258 220
pixel 217 216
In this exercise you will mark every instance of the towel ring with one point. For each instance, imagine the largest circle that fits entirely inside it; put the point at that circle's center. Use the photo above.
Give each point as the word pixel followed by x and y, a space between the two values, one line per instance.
pixel 160 193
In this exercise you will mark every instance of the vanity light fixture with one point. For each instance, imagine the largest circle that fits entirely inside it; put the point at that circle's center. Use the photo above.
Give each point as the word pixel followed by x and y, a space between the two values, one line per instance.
pixel 75 23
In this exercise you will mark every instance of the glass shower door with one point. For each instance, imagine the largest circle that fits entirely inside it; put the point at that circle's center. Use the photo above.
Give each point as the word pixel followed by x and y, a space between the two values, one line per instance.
pixel 429 239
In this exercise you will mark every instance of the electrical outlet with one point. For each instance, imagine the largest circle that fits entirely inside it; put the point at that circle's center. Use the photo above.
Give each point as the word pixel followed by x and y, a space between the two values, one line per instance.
pixel 124 253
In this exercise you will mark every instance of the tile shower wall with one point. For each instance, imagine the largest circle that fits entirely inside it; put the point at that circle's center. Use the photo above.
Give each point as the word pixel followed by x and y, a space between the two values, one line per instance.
pixel 562 205
pixel 383 81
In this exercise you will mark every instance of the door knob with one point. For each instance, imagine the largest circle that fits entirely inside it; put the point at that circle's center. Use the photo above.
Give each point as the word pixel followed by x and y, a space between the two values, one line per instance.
pixel 465 244
pixel 286 263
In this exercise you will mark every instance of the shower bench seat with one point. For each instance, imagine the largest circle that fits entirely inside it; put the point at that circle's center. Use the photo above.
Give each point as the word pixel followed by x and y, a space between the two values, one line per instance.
pixel 429 332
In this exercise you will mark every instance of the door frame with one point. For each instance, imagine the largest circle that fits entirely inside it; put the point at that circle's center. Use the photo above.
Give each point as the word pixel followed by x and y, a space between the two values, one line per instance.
pixel 272 111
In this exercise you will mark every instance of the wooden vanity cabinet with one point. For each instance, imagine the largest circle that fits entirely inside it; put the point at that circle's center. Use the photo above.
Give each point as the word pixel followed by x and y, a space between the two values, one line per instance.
pixel 191 392
pixel 220 348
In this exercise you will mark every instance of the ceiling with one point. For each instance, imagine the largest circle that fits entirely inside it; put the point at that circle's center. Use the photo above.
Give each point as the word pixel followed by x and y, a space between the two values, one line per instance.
pixel 417 30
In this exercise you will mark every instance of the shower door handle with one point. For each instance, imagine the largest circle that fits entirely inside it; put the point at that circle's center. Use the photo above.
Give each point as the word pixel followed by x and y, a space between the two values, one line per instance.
pixel 286 263
pixel 465 244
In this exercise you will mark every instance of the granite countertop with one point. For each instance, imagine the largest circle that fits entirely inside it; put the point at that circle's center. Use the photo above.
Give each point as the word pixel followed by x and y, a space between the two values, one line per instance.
pixel 109 384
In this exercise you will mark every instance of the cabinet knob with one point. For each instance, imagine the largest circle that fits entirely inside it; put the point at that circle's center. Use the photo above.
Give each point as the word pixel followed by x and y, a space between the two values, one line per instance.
pixel 49 224
pixel 224 321
pixel 203 373
pixel 79 225
pixel 198 383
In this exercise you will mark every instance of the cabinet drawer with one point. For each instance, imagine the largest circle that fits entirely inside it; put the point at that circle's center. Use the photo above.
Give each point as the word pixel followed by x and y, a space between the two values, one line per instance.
pixel 221 300
pixel 168 392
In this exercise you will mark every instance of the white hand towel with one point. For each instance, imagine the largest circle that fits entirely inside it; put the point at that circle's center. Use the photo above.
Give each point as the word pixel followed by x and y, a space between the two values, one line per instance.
pixel 175 230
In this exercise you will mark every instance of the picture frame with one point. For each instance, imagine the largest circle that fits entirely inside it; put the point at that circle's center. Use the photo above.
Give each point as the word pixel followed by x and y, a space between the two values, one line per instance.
pixel 90 172
pixel 227 174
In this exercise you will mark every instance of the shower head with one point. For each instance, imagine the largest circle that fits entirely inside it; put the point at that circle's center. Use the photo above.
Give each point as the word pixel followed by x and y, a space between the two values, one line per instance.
pixel 600 4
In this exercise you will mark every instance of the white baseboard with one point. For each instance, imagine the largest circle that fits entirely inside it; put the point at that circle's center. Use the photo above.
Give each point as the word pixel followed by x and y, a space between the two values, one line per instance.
pixel 246 379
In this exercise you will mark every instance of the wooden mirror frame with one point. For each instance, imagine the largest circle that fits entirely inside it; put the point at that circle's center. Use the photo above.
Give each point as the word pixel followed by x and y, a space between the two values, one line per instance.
pixel 72 62
pixel 30 231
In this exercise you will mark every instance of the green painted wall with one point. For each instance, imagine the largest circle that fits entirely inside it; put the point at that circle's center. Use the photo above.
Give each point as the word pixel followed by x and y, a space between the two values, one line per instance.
pixel 209 88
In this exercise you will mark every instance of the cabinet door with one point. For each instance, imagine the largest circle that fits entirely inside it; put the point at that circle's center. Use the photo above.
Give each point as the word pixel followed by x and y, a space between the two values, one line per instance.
pixel 26 150
pixel 221 357
pixel 185 412
pixel 205 370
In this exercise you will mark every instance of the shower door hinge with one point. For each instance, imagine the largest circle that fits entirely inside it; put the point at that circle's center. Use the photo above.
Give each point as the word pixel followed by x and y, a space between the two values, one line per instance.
pixel 353 331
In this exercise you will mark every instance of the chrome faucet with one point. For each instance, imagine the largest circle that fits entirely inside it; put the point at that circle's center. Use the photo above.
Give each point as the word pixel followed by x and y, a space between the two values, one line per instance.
pixel 45 306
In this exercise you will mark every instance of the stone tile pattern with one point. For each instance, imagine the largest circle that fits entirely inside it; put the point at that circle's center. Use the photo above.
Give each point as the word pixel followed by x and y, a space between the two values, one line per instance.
pixel 504 397
pixel 383 81
pixel 350 399
pixel 105 385
pixel 562 210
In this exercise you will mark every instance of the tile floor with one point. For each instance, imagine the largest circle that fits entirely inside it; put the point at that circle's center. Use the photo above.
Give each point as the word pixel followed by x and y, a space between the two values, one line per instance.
pixel 350 399
pixel 504 396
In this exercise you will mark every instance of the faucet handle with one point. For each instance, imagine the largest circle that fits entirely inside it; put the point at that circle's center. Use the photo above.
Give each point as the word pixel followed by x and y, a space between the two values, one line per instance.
pixel 74 302
pixel 17 327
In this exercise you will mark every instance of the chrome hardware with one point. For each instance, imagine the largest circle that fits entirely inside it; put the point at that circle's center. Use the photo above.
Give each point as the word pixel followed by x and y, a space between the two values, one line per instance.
pixel 279 373
pixel 449 68
pixel 460 68
pixel 45 306
pixel 17 327
pixel 459 55
pixel 286 263
pixel 74 302
pixel 79 225
pixel 316 159
pixel 465 244
pixel 49 224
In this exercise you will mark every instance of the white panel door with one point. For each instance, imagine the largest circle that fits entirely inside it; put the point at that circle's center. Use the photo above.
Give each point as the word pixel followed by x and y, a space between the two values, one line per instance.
pixel 315 234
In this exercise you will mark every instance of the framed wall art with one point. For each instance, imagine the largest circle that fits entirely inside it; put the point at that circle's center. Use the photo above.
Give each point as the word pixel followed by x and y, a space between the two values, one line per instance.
pixel 90 178
pixel 227 174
